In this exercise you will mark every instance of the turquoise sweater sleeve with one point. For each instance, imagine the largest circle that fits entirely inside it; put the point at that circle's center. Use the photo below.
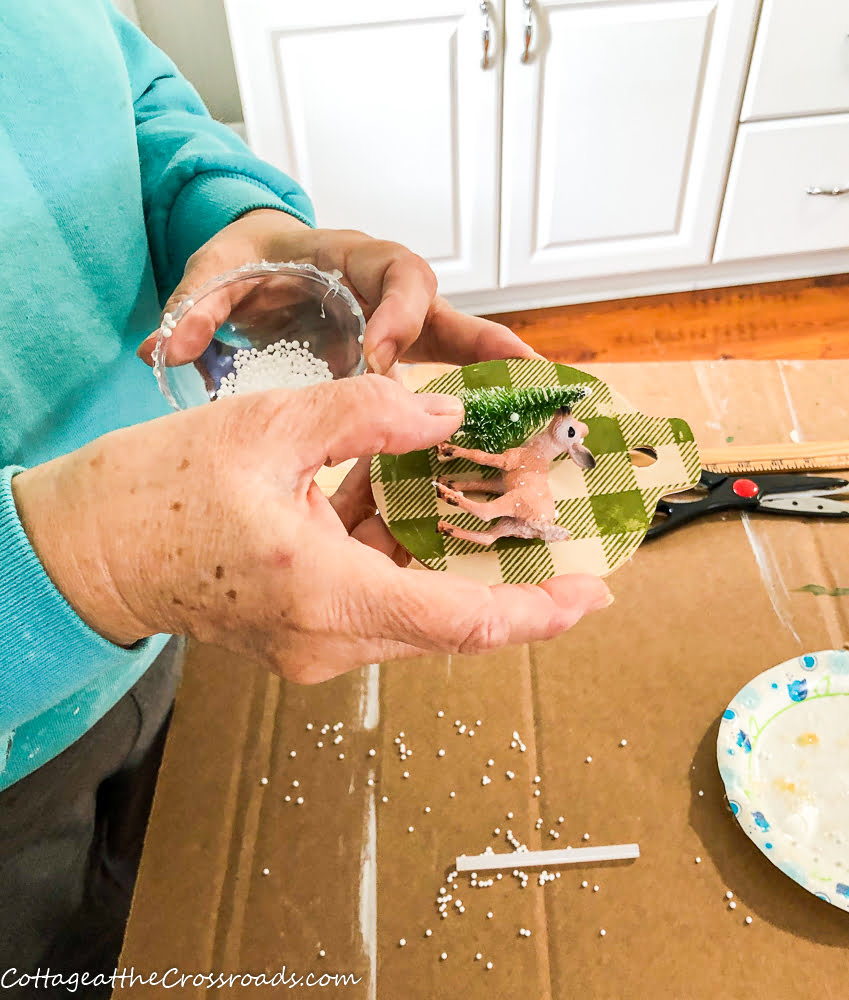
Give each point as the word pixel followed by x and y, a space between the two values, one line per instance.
pixel 43 642
pixel 197 174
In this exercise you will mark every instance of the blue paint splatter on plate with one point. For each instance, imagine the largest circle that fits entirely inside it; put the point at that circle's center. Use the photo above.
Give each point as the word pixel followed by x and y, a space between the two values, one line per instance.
pixel 798 690
pixel 761 821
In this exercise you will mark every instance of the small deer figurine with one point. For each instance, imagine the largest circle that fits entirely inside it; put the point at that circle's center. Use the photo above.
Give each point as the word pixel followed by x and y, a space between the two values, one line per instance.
pixel 524 505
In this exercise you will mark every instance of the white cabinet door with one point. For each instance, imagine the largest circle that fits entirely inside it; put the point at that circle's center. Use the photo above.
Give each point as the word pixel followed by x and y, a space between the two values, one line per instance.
pixel 788 190
pixel 617 133
pixel 383 111
pixel 800 64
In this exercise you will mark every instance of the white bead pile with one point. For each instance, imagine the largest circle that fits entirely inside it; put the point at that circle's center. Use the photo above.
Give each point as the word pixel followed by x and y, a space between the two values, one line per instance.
pixel 285 364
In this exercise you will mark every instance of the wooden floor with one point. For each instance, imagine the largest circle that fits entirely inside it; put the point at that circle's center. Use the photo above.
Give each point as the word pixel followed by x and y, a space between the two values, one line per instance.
pixel 803 320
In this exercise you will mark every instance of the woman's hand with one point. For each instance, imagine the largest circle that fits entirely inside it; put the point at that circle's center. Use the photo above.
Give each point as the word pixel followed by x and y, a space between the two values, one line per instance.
pixel 208 523
pixel 396 289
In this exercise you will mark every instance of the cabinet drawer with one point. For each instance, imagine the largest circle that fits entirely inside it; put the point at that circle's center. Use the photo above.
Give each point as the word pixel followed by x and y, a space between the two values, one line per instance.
pixel 767 209
pixel 800 63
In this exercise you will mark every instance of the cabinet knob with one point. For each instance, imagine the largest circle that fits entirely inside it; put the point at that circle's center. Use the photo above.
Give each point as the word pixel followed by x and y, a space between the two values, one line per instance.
pixel 486 33
pixel 830 192
pixel 529 27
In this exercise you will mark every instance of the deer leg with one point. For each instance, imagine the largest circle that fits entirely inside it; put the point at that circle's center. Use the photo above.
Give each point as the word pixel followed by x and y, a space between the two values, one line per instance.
pixel 507 527
pixel 470 485
pixel 446 452
pixel 486 510
pixel 479 537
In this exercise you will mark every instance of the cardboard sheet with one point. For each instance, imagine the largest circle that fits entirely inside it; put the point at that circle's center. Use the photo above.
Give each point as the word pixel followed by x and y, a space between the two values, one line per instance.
pixel 697 614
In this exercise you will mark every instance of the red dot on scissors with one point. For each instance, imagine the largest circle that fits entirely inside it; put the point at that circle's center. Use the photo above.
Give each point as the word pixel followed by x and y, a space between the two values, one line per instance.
pixel 745 488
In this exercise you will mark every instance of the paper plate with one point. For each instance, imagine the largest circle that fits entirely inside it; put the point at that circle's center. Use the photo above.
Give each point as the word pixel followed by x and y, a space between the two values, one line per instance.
pixel 607 510
pixel 783 753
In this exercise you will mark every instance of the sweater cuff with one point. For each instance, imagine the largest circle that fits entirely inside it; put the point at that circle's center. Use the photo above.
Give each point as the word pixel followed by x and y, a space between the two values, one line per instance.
pixel 47 652
pixel 214 199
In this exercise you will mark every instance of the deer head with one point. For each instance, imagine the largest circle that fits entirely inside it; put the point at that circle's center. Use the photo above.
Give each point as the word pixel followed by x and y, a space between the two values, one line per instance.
pixel 569 433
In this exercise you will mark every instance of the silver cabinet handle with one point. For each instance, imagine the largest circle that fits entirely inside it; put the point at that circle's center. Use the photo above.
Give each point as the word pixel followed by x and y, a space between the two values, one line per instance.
pixel 486 34
pixel 529 27
pixel 831 192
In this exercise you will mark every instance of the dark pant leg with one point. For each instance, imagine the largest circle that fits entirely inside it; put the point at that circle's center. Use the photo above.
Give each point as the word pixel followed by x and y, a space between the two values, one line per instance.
pixel 71 835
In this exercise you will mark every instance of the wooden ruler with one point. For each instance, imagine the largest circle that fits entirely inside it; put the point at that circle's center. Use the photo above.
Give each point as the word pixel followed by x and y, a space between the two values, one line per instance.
pixel 805 456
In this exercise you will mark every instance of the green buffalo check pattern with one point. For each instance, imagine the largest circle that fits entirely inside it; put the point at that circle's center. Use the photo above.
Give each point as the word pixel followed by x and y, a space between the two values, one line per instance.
pixel 607 510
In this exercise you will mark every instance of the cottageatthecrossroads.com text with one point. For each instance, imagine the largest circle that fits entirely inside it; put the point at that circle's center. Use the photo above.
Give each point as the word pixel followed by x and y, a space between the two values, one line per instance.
pixel 174 979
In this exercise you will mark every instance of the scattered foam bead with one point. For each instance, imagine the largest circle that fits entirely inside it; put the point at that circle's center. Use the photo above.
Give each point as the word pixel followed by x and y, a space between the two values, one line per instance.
pixel 372 752
pixel 701 793
pixel 406 774
pixel 748 920
pixel 509 815
pixel 322 953
pixel 440 753
pixel 602 932
pixel 296 784
pixel 536 793
pixel 486 780
pixel 729 894
pixel 293 753
pixel 584 884
pixel 589 760
pixel 299 801
pixel 427 809
pixel 586 836
pixel 623 743
pixel 440 714
pixel 698 861
pixel 402 942
pixel 489 965
pixel 265 871
pixel 370 782
pixel 595 888
pixel 478 956
pixel 489 915
pixel 452 795
pixel 341 756
pixel 263 781
pixel 384 798
pixel 444 955
pixel 732 905
pixel 428 932
pixel 537 780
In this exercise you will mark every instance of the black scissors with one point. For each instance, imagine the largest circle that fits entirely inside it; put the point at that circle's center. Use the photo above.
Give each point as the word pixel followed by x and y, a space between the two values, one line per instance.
pixel 799 495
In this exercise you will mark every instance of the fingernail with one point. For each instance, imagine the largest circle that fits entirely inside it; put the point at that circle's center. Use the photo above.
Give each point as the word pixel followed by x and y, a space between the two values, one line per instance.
pixel 439 404
pixel 146 344
pixel 381 357
pixel 602 603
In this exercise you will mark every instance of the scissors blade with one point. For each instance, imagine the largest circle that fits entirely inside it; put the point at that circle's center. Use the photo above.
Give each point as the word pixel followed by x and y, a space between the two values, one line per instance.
pixel 811 502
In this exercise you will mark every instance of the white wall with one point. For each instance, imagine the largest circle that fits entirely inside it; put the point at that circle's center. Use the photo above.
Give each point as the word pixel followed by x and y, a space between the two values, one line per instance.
pixel 194 33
